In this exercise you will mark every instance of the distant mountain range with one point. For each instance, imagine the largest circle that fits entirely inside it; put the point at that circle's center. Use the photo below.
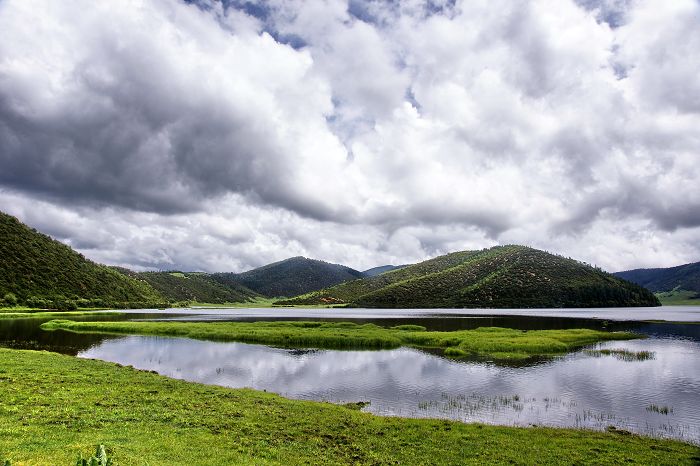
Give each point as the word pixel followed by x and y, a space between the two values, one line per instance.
pixel 673 285
pixel 290 277
pixel 500 277
pixel 38 271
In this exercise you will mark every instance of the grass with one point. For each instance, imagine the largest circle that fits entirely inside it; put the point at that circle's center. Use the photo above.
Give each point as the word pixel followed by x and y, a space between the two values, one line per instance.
pixel 55 407
pixel 497 343
pixel 679 298
pixel 665 410
pixel 261 303
pixel 623 354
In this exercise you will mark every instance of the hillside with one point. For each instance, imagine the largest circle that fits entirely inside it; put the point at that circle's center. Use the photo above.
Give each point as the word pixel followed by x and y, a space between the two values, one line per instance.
pixel 290 277
pixel 374 271
pixel 200 287
pixel 672 285
pixel 42 272
pixel 683 277
pixel 500 277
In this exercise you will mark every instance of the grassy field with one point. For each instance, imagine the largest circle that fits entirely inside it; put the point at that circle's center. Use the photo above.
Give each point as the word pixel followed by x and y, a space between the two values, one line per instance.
pixel 678 298
pixel 261 303
pixel 498 343
pixel 55 407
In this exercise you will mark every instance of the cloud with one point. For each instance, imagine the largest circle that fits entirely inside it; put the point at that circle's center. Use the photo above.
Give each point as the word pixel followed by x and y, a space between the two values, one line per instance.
pixel 222 135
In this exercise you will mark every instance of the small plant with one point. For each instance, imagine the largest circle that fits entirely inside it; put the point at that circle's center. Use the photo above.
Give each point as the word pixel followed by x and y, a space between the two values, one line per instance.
pixel 665 410
pixel 623 354
pixel 98 459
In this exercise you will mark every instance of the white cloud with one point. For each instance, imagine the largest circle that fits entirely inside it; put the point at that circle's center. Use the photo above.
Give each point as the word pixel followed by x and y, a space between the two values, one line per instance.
pixel 186 137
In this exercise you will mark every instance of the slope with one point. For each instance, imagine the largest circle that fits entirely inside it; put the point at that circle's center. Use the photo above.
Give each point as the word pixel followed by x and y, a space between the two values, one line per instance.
pixel 500 277
pixel 683 277
pixel 290 277
pixel 374 271
pixel 200 287
pixel 672 285
pixel 41 272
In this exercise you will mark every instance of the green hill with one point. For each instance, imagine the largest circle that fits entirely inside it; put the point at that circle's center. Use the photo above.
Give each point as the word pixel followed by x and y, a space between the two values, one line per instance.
pixel 500 277
pixel 673 285
pixel 200 287
pixel 374 271
pixel 290 277
pixel 38 271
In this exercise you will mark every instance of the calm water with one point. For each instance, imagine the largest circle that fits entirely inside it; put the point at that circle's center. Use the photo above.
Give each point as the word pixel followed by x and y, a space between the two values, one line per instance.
pixel 577 390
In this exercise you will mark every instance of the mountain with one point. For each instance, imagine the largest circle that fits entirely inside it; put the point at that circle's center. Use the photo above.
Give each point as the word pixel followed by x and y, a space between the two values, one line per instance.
pixel 38 271
pixel 673 285
pixel 290 277
pixel 194 286
pixel 373 272
pixel 683 277
pixel 500 277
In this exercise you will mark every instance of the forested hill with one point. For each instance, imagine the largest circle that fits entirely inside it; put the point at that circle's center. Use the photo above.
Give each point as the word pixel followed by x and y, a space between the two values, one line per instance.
pixel 683 277
pixel 500 277
pixel 290 277
pixel 38 271
pixel 195 286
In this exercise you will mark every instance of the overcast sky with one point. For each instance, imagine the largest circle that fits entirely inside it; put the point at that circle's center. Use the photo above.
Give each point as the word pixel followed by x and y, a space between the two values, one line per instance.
pixel 220 136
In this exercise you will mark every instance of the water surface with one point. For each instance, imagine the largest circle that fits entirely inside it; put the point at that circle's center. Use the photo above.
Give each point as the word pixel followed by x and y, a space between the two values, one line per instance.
pixel 576 390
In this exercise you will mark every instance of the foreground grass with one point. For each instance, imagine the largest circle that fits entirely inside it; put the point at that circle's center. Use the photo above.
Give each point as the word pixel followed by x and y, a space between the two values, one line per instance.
pixel 499 343
pixel 56 406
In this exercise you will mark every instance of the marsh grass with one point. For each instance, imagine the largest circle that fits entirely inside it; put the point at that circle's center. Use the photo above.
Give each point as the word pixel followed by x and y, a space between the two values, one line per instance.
pixel 665 410
pixel 623 354
pixel 493 342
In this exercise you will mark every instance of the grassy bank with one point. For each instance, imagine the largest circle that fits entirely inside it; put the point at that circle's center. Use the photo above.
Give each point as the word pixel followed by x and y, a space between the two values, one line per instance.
pixel 56 406
pixel 494 342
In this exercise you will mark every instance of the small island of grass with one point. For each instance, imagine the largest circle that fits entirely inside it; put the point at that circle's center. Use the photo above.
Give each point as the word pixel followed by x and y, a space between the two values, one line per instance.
pixel 493 342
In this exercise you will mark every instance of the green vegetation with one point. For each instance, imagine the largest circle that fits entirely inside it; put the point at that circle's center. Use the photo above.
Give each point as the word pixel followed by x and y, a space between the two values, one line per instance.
pixel 39 272
pixel 196 287
pixel 497 343
pixel 679 298
pixel 290 277
pixel 500 277
pixel 98 459
pixel 683 278
pixel 665 410
pixel 623 354
pixel 54 406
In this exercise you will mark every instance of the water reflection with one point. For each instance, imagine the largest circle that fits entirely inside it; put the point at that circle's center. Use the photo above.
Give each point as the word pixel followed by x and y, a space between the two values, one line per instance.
pixel 577 390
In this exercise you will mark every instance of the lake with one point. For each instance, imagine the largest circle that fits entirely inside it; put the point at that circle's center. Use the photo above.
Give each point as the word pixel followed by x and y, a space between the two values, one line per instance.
pixel 659 396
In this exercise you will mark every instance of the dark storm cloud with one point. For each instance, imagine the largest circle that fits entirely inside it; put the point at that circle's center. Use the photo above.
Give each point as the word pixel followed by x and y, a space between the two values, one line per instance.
pixel 130 126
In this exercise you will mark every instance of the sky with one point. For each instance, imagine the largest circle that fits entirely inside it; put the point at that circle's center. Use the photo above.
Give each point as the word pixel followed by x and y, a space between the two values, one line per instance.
pixel 223 135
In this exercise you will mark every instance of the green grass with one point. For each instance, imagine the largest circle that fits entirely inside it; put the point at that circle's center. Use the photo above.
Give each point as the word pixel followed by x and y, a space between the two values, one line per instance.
pixel 498 343
pixel 260 303
pixel 679 298
pixel 55 407
pixel 623 354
